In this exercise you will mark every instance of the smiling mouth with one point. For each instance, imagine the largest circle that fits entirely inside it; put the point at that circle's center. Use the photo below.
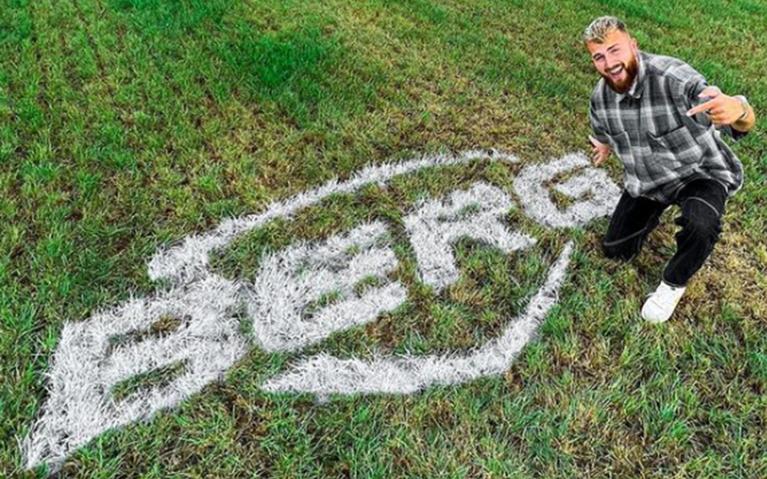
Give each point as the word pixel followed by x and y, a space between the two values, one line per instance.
pixel 616 72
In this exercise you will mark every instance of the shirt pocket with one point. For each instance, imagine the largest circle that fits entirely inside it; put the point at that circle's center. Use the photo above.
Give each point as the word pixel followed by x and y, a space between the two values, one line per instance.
pixel 677 146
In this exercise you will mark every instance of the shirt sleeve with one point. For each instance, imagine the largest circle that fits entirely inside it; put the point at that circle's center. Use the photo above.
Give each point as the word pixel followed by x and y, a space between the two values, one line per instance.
pixel 600 132
pixel 692 89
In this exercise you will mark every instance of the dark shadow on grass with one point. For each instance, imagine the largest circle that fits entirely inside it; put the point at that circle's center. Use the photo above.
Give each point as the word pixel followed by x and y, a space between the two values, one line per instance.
pixel 174 16
pixel 310 72
pixel 657 12
pixel 308 69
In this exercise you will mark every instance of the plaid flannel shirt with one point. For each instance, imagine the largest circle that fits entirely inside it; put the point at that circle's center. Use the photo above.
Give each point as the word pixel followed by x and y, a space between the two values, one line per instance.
pixel 661 148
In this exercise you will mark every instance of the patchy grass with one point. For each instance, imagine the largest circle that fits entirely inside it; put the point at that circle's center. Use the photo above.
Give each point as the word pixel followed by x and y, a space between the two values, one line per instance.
pixel 128 124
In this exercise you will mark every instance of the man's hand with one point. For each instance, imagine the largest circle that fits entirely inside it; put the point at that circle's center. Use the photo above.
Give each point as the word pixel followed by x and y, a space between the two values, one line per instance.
pixel 721 109
pixel 599 151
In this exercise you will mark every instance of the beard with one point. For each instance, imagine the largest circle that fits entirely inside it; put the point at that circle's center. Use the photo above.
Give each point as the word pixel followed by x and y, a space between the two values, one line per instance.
pixel 624 85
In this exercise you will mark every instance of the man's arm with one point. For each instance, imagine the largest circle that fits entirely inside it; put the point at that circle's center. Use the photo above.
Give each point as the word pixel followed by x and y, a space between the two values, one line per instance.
pixel 597 127
pixel 600 149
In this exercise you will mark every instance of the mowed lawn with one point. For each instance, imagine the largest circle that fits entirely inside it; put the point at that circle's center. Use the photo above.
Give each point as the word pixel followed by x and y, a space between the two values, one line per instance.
pixel 126 125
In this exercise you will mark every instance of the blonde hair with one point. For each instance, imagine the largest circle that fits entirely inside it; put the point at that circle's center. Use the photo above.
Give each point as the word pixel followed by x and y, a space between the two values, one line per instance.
pixel 600 27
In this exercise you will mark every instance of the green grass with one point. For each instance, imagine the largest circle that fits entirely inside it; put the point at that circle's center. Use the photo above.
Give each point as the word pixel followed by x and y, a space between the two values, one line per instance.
pixel 128 124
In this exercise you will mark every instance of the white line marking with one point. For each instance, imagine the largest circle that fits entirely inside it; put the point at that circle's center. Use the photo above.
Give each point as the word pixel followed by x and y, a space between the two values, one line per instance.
pixel 530 186
pixel 189 260
pixel 324 374
pixel 436 224
pixel 86 366
pixel 287 282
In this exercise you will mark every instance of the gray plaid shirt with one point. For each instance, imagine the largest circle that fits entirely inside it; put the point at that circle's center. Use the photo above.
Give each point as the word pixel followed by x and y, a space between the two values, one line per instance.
pixel 661 148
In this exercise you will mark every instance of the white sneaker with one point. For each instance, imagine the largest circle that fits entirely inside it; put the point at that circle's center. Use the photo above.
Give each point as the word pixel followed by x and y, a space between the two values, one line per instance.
pixel 661 303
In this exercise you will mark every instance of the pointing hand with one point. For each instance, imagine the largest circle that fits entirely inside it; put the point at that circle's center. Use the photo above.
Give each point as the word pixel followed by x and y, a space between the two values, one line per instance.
pixel 721 109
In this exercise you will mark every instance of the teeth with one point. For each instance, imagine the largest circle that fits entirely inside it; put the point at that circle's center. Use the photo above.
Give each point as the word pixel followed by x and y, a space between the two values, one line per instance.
pixel 615 70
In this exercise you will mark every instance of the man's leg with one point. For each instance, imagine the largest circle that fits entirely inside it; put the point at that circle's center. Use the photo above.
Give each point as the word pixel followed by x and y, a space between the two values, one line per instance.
pixel 702 203
pixel 631 222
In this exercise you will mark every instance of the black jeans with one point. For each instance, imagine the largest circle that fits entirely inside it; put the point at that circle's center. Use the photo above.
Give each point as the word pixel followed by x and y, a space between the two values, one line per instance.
pixel 702 203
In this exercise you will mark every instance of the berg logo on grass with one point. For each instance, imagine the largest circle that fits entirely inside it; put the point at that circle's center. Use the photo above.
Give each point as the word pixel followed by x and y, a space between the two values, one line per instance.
pixel 116 345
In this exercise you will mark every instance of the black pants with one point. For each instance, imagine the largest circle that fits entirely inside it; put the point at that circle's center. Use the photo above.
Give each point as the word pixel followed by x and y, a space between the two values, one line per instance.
pixel 702 202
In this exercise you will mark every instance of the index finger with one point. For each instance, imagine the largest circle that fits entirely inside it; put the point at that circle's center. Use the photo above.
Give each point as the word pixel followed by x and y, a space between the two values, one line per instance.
pixel 702 107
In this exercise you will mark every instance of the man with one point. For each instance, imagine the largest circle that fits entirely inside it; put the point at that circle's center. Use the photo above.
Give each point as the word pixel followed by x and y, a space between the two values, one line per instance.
pixel 645 109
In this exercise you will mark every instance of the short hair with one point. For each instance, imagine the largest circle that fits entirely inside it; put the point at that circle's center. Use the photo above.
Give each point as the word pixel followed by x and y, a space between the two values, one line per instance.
pixel 600 27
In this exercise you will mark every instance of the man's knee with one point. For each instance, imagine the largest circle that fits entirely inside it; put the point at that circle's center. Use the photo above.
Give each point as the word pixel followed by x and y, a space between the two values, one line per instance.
pixel 702 228
pixel 702 218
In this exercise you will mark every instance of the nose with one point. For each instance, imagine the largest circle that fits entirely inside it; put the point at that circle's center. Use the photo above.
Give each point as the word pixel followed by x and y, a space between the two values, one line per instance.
pixel 611 61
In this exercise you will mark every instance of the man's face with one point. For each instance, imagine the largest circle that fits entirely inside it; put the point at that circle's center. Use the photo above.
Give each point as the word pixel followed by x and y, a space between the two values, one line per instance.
pixel 616 59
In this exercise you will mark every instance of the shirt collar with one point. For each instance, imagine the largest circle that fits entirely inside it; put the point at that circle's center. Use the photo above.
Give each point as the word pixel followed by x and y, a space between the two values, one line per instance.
pixel 636 88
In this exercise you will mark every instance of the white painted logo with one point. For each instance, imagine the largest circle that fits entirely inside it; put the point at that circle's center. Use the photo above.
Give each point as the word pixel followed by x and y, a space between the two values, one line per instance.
pixel 113 346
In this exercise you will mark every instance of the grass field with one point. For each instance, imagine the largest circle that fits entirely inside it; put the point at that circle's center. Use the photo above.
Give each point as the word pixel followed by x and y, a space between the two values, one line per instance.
pixel 126 125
